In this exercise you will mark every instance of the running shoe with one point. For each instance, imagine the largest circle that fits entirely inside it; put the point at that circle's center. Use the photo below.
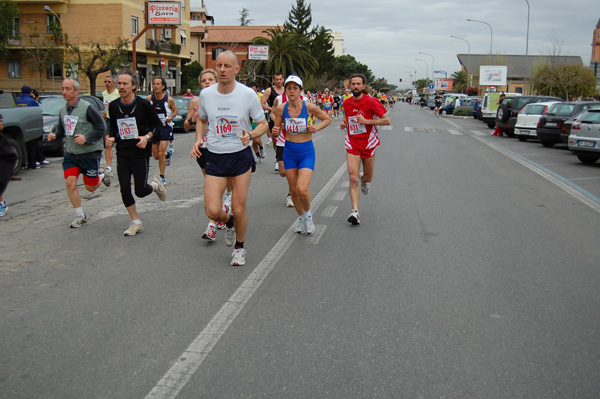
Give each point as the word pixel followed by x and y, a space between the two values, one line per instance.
pixel 364 186
pixel 227 209
pixel 309 226
pixel 276 166
pixel 163 181
pixel 221 225
pixel 227 201
pixel 79 222
pixel 210 232
pixel 258 158
pixel 133 229
pixel 288 201
pixel 160 189
pixel 354 218
pixel 38 165
pixel 301 227
pixel 45 162
pixel 105 175
pixel 238 257
pixel 262 152
pixel 229 236
pixel 3 208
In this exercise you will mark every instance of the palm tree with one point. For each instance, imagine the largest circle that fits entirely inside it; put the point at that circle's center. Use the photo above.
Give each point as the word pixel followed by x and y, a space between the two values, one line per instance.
pixel 287 54
pixel 460 81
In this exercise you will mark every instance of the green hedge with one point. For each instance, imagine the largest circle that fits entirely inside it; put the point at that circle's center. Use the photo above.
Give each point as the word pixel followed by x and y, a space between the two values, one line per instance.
pixel 463 111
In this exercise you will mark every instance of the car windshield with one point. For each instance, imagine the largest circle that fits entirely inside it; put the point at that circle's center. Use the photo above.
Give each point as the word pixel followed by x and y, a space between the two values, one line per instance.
pixel 51 105
pixel 534 109
pixel 182 103
pixel 561 109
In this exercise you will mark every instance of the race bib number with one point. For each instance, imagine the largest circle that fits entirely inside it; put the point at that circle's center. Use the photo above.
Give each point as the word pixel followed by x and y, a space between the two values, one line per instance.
pixel 227 128
pixel 354 127
pixel 106 102
pixel 69 122
pixel 163 119
pixel 127 128
pixel 295 125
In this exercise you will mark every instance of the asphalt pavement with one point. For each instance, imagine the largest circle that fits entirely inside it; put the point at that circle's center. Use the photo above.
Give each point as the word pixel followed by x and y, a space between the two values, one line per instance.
pixel 473 274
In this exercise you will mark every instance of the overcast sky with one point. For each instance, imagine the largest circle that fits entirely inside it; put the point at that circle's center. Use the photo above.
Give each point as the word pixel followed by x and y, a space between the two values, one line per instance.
pixel 387 35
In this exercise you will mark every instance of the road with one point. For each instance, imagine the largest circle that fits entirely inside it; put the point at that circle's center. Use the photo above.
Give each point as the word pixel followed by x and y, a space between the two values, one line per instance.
pixel 473 274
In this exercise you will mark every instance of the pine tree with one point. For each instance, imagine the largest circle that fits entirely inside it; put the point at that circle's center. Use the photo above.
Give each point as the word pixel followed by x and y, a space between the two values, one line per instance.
pixel 300 19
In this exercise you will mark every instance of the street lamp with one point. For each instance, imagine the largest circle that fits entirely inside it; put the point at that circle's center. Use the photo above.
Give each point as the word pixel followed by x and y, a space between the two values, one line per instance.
pixel 49 10
pixel 526 52
pixel 432 65
pixel 491 34
pixel 468 58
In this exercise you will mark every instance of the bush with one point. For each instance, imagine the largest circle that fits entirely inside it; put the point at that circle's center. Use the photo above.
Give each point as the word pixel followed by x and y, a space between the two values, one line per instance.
pixel 463 111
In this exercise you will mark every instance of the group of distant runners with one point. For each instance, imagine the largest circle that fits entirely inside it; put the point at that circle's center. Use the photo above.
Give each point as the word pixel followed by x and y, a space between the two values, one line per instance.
pixel 229 119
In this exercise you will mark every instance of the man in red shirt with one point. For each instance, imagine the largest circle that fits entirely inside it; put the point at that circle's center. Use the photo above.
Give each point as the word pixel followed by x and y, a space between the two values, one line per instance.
pixel 363 114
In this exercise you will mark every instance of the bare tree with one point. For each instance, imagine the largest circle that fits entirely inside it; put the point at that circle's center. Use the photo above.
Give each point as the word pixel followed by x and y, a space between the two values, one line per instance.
pixel 43 50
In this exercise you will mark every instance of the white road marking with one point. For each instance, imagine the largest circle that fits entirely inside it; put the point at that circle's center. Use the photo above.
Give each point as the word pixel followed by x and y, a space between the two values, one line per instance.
pixel 455 132
pixel 192 358
pixel 147 207
pixel 329 211
pixel 387 127
pixel 572 189
pixel 478 133
pixel 345 183
pixel 339 196
pixel 408 129
pixel 316 236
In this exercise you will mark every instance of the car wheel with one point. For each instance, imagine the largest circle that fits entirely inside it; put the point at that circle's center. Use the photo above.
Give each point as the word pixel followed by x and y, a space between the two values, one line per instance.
pixel 20 156
pixel 444 112
pixel 503 113
pixel 588 159
pixel 491 125
pixel 432 108
pixel 521 138
pixel 509 133
pixel 546 143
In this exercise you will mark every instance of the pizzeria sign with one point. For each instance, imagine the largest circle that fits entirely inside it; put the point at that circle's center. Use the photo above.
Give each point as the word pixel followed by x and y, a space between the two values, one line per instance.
pixel 164 13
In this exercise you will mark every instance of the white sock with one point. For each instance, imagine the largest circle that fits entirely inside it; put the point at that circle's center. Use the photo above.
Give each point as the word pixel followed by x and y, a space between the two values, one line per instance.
pixel 79 212
pixel 212 224
pixel 154 186
pixel 137 221
pixel 108 169
pixel 308 214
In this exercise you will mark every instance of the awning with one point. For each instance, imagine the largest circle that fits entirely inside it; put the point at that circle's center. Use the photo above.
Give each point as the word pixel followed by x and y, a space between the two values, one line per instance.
pixel 183 34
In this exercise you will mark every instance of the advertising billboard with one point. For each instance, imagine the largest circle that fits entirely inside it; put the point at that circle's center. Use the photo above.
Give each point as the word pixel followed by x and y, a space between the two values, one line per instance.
pixel 493 75
pixel 258 52
pixel 164 13
pixel 443 84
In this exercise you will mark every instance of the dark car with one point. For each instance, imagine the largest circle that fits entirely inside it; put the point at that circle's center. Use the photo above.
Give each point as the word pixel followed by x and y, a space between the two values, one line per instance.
pixel 552 125
pixel 182 104
pixel 51 105
pixel 506 116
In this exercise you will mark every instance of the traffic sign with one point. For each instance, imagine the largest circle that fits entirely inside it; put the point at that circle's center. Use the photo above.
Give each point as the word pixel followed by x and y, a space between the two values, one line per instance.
pixel 431 86
pixel 162 63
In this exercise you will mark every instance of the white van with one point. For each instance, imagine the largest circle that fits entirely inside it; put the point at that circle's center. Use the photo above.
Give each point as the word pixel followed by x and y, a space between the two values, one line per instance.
pixel 449 98
pixel 489 107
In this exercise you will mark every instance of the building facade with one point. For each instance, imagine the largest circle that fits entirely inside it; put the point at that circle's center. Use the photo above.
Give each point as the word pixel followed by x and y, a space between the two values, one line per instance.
pixel 595 60
pixel 90 21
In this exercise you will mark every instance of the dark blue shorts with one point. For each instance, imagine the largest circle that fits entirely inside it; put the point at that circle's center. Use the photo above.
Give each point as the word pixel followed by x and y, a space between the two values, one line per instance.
pixel 165 134
pixel 202 160
pixel 299 155
pixel 230 165
pixel 88 167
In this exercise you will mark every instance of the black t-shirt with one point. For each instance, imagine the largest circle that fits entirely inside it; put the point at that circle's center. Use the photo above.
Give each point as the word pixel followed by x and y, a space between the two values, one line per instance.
pixel 146 120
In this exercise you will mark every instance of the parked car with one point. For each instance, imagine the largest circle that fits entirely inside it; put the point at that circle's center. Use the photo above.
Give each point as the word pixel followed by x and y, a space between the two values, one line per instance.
pixel 182 104
pixel 551 126
pixel 431 102
pixel 489 107
pixel 21 125
pixel 529 118
pixel 506 116
pixel 51 105
pixel 584 139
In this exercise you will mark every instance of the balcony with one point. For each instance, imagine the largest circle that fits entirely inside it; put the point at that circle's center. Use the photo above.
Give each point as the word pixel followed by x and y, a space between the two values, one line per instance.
pixel 163 47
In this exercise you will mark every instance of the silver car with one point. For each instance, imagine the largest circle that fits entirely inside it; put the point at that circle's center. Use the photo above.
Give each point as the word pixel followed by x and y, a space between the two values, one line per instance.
pixel 584 139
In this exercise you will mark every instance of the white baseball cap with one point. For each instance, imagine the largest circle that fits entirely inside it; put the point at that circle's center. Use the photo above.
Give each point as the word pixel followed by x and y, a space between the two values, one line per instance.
pixel 293 78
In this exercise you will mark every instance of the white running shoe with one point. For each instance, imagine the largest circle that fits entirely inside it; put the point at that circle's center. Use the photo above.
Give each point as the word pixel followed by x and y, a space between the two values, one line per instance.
pixel 238 257
pixel 133 229
pixel 288 201
pixel 160 189
pixel 309 225
pixel 354 218
pixel 229 236
pixel 364 186
pixel 276 166
pixel 105 175
pixel 227 200
pixel 79 222
pixel 300 228
pixel 210 233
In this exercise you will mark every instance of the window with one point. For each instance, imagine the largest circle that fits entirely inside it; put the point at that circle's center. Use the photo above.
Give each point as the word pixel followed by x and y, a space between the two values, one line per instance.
pixel 134 26
pixel 216 51
pixel 14 31
pixel 54 71
pixel 183 37
pixel 51 20
pixel 14 68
